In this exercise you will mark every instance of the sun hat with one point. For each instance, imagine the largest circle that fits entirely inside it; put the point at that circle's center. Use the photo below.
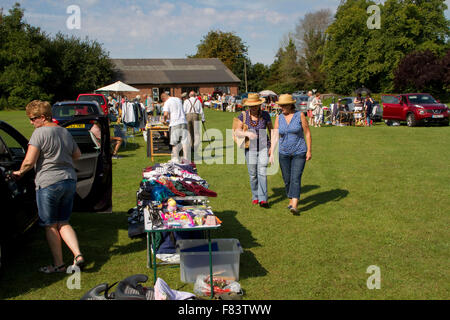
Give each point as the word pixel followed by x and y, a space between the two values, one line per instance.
pixel 285 99
pixel 253 100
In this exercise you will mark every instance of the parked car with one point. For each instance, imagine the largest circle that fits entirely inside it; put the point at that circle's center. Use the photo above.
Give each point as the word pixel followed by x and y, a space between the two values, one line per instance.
pixel 98 97
pixel 302 102
pixel 93 168
pixel 63 112
pixel 415 109
pixel 18 200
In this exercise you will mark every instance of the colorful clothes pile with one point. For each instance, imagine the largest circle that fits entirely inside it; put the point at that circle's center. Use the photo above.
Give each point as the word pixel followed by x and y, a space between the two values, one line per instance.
pixel 163 181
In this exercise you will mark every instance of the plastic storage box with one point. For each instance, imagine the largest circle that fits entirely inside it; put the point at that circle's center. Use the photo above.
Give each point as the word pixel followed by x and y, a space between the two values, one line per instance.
pixel 194 258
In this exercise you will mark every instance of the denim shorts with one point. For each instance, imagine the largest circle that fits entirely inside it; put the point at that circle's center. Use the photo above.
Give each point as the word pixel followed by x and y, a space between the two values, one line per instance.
pixel 55 202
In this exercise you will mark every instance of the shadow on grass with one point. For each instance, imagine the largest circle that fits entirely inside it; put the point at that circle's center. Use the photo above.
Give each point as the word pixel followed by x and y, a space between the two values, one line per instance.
pixel 279 194
pixel 322 198
pixel 97 234
pixel 312 201
pixel 232 228
pixel 129 146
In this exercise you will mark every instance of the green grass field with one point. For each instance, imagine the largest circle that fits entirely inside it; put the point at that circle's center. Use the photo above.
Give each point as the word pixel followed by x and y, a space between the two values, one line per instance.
pixel 370 196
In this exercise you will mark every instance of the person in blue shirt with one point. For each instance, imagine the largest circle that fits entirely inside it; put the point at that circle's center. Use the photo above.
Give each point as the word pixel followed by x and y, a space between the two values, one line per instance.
pixel 291 130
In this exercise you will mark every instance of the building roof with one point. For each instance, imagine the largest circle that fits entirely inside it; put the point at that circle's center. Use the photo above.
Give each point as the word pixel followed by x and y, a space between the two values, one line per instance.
pixel 173 71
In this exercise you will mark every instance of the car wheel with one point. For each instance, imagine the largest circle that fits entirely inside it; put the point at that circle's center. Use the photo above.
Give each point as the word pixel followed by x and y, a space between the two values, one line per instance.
pixel 411 120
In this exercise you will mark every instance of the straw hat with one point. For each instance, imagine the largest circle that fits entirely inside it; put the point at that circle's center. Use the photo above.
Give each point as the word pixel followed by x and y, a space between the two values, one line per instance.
pixel 285 99
pixel 253 100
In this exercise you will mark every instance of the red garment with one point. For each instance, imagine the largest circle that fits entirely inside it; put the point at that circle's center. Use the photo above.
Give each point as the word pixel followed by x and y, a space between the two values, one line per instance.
pixel 172 188
pixel 198 189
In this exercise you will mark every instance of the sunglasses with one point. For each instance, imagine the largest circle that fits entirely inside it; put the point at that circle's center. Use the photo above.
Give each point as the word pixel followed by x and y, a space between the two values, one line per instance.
pixel 34 118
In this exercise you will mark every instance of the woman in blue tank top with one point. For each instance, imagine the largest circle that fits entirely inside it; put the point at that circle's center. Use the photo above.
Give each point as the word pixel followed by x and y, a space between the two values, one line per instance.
pixel 292 131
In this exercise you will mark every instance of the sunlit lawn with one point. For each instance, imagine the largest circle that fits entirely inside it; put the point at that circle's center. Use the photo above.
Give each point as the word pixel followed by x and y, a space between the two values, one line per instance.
pixel 370 196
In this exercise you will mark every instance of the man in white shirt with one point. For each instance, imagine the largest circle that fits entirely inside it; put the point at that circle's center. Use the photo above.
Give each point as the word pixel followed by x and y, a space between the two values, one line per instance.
pixel 179 138
pixel 194 112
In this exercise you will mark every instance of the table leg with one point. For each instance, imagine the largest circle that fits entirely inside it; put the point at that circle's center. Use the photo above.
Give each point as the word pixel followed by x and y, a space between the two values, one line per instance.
pixel 154 258
pixel 149 257
pixel 210 265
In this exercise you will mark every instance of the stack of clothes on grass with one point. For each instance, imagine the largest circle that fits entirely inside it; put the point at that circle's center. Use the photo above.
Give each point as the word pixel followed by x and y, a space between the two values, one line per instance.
pixel 163 182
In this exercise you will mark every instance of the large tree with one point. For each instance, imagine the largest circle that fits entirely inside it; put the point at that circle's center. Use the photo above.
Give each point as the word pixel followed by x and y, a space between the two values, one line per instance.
pixel 22 55
pixel 228 47
pixel 310 34
pixel 77 66
pixel 355 55
pixel 36 66
pixel 419 72
pixel 286 74
pixel 257 77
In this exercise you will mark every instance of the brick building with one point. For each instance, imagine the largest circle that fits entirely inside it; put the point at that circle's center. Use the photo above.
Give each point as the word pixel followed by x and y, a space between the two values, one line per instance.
pixel 154 76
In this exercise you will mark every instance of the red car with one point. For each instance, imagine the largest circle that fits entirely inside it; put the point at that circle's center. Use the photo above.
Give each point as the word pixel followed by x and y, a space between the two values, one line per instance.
pixel 97 97
pixel 414 108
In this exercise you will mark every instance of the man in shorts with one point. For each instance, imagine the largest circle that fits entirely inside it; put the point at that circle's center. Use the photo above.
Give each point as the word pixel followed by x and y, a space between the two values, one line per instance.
pixel 179 136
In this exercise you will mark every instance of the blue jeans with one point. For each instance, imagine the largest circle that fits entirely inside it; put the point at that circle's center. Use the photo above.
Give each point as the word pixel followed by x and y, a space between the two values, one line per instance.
pixel 55 202
pixel 257 162
pixel 292 170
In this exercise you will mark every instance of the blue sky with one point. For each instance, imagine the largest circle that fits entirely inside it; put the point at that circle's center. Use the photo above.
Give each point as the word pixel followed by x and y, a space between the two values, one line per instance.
pixel 172 29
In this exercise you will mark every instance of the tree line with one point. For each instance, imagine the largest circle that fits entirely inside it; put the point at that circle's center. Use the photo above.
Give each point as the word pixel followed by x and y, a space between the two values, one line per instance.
pixel 34 65
pixel 329 52
pixel 340 53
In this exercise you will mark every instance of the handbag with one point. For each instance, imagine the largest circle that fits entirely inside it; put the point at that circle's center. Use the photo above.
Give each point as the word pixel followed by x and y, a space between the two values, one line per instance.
pixel 242 142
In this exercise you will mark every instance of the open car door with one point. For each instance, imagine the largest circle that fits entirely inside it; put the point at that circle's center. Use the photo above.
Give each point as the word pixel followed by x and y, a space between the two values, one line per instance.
pixel 391 107
pixel 94 168
pixel 18 197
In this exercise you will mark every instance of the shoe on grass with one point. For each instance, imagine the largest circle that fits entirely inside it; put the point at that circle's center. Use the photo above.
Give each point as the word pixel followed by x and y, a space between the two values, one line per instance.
pixel 264 204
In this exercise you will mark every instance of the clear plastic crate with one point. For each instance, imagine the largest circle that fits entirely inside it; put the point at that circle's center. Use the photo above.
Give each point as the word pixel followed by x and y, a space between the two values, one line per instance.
pixel 194 258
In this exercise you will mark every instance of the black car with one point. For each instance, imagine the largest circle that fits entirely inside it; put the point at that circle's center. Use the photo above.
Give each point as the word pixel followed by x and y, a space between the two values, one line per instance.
pixel 18 200
pixel 93 168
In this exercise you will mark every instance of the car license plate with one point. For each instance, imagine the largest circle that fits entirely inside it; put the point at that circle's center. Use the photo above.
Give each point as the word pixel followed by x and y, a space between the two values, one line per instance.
pixel 438 116
pixel 76 126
